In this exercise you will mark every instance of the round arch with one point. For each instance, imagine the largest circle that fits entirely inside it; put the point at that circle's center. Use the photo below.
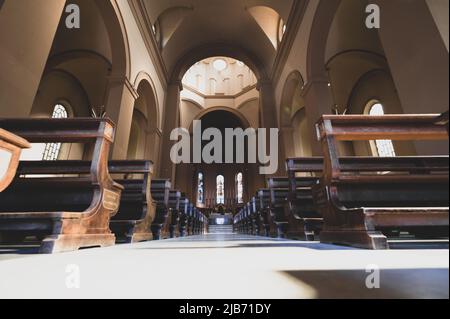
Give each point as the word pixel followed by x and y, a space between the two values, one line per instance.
pixel 318 38
pixel 207 51
pixel 245 123
pixel 118 37
pixel 153 110
pixel 293 82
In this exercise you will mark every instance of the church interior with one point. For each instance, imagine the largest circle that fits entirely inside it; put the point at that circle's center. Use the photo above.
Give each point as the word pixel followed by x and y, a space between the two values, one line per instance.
pixel 93 93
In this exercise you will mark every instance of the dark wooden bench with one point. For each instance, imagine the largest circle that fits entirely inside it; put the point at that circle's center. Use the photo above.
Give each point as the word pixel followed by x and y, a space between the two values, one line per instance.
pixel 160 189
pixel 264 198
pixel 282 210
pixel 132 223
pixel 65 213
pixel 174 206
pixel 363 204
pixel 254 218
pixel 11 147
pixel 198 222
pixel 303 174
pixel 184 215
pixel 256 210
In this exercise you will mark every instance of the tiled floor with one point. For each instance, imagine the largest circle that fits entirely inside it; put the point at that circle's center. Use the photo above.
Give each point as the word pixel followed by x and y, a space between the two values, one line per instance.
pixel 225 266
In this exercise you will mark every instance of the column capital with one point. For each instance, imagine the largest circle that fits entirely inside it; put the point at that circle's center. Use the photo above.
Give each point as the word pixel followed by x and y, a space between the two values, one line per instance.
pixel 316 81
pixel 178 83
pixel 123 80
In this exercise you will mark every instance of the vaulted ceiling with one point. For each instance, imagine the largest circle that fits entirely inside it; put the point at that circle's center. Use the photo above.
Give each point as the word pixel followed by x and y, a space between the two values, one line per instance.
pixel 185 26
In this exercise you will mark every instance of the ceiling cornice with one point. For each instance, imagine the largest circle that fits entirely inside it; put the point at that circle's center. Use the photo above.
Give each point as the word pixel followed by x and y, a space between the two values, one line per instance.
pixel 144 24
pixel 293 26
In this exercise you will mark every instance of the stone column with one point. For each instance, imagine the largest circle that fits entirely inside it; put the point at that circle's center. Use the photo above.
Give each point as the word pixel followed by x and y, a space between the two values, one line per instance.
pixel 120 100
pixel 171 121
pixel 27 30
pixel 269 117
pixel 152 148
pixel 319 101
pixel 418 59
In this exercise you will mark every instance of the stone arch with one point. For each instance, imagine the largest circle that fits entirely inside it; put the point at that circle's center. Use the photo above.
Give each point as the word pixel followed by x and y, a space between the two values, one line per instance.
pixel 318 38
pixel 204 52
pixel 245 123
pixel 292 85
pixel 118 37
pixel 146 108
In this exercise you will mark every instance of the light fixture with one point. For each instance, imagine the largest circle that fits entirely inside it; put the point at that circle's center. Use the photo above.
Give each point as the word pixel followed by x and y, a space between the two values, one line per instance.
pixel 220 64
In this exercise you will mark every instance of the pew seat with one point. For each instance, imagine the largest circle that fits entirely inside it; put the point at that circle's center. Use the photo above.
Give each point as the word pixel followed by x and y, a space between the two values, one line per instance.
pixel 64 213
pixel 377 199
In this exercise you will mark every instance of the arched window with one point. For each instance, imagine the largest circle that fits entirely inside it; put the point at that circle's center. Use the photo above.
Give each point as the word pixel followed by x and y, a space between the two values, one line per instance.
pixel 240 188
pixel 52 150
pixel 220 189
pixel 384 148
pixel 200 188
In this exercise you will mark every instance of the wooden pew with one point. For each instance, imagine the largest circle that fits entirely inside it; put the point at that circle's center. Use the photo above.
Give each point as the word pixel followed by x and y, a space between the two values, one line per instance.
pixel 174 206
pixel 281 206
pixel 190 220
pixel 300 198
pixel 184 215
pixel 160 189
pixel 257 218
pixel 11 147
pixel 363 206
pixel 132 223
pixel 66 213
pixel 264 198
pixel 254 218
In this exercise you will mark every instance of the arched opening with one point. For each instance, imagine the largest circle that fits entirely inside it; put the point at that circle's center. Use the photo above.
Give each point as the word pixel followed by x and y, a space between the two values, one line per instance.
pixel 293 121
pixel 52 150
pixel 381 148
pixel 145 130
pixel 220 190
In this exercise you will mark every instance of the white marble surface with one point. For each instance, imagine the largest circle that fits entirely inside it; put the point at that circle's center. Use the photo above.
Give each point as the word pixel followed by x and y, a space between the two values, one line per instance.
pixel 225 266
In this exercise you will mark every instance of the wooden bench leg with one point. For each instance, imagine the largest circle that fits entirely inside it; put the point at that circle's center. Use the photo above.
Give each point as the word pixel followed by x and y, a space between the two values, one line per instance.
pixel 355 238
pixel 66 243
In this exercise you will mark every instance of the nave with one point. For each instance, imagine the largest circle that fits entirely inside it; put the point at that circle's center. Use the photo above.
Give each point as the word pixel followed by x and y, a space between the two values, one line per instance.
pixel 226 266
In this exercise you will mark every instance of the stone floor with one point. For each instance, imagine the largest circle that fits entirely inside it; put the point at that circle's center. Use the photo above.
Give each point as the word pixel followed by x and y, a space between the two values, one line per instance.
pixel 224 266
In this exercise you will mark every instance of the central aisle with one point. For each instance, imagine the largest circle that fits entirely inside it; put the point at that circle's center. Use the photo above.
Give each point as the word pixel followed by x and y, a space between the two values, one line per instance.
pixel 225 266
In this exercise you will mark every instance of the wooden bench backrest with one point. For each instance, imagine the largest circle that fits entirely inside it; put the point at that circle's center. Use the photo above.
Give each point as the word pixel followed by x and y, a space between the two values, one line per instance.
pixel 333 128
pixel 83 167
pixel 174 200
pixel 73 130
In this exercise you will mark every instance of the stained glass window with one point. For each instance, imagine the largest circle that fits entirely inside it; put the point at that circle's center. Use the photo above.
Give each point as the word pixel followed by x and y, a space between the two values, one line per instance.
pixel 220 186
pixel 240 188
pixel 385 148
pixel 52 150
pixel 200 189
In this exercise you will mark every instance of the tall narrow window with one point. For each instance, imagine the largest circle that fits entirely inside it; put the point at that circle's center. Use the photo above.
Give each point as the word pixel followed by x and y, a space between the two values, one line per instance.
pixel 220 186
pixel 200 188
pixel 52 150
pixel 385 148
pixel 240 188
